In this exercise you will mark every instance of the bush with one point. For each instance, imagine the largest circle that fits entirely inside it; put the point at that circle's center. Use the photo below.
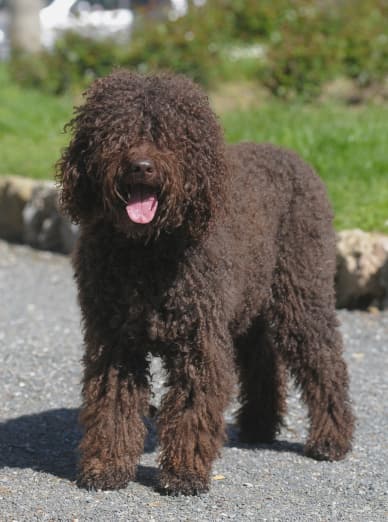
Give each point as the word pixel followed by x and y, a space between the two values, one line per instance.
pixel 72 65
pixel 305 43
pixel 365 41
pixel 303 53
pixel 317 42
pixel 188 46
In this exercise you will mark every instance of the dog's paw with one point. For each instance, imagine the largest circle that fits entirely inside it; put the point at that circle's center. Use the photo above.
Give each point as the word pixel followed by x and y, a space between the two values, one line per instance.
pixel 326 450
pixel 175 485
pixel 107 479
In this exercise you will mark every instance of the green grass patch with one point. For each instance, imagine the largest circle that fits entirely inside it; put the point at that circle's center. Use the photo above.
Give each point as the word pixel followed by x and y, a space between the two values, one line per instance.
pixel 347 147
pixel 31 126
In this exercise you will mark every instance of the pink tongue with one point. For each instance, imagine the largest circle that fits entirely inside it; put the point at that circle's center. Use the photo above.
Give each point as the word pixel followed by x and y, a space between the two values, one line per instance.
pixel 142 205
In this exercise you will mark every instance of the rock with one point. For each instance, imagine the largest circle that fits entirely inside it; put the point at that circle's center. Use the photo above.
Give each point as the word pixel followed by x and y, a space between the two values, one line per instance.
pixel 362 269
pixel 342 90
pixel 44 226
pixel 15 192
pixel 29 213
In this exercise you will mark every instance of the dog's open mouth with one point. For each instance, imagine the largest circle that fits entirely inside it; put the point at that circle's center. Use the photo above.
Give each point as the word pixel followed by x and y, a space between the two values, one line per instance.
pixel 142 204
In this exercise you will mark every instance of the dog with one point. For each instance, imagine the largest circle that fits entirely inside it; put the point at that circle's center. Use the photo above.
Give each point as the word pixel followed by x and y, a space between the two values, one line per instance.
pixel 219 259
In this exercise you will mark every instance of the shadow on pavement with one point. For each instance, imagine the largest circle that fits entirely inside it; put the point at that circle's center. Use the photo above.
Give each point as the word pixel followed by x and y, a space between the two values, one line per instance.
pixel 47 441
pixel 278 445
pixel 44 441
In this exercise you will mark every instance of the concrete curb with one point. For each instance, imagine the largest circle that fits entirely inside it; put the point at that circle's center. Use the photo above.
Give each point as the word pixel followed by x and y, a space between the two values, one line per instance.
pixel 29 214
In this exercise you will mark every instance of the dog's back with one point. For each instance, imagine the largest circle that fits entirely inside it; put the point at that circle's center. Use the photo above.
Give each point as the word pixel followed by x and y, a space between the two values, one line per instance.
pixel 276 209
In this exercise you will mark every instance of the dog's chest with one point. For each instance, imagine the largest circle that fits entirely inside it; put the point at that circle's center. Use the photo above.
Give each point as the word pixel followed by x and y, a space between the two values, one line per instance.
pixel 154 315
pixel 152 303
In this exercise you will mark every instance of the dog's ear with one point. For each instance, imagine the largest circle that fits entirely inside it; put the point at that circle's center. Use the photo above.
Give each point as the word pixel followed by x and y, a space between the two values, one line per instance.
pixel 200 211
pixel 206 201
pixel 77 189
pixel 206 209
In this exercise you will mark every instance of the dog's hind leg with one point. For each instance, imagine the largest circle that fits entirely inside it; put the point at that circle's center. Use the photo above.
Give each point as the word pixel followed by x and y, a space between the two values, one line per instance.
pixel 263 382
pixel 305 329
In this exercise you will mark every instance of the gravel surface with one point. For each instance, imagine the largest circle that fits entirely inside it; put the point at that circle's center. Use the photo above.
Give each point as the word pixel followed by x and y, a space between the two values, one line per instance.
pixel 40 351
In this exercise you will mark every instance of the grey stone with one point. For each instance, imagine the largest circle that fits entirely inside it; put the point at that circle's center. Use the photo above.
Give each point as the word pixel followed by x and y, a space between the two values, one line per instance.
pixel 15 192
pixel 29 213
pixel 362 269
pixel 44 226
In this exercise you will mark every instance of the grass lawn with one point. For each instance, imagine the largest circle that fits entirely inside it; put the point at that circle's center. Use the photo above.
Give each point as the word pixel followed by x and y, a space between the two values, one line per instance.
pixel 31 126
pixel 348 147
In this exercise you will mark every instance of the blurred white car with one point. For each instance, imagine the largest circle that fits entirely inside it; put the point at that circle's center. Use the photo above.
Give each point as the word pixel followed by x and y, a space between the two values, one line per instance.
pixel 79 16
pixel 179 7
pixel 4 43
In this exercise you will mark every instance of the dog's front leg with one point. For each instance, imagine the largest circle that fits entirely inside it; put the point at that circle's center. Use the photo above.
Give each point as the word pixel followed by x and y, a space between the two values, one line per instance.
pixel 115 395
pixel 191 423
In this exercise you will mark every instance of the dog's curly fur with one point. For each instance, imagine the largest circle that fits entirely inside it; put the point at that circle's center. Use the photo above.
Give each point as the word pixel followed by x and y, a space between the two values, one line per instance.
pixel 232 277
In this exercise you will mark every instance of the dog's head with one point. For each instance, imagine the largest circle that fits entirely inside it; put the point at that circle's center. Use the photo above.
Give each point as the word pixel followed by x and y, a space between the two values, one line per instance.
pixel 146 154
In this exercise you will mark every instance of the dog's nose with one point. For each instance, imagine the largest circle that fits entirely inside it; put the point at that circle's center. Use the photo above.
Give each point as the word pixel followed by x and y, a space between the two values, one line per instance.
pixel 142 167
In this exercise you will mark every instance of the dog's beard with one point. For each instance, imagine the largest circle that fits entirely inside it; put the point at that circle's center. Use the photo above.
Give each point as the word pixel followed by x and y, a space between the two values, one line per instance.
pixel 143 211
pixel 136 211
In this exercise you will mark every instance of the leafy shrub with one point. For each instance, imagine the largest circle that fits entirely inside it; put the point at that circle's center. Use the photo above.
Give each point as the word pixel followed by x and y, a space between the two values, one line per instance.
pixel 303 53
pixel 305 43
pixel 250 20
pixel 187 46
pixel 73 64
pixel 365 40
pixel 318 41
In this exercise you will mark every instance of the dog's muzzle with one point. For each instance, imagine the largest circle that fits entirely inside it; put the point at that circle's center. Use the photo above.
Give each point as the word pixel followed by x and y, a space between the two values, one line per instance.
pixel 142 195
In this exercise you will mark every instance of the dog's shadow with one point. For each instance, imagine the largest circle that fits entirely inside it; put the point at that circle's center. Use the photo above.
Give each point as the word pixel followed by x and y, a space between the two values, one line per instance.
pixel 44 441
pixel 48 441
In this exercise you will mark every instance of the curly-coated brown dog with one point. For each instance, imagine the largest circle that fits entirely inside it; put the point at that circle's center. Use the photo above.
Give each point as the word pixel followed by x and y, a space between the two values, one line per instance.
pixel 218 259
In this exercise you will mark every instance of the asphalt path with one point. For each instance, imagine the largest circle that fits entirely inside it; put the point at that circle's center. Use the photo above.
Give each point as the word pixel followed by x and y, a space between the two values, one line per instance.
pixel 40 371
